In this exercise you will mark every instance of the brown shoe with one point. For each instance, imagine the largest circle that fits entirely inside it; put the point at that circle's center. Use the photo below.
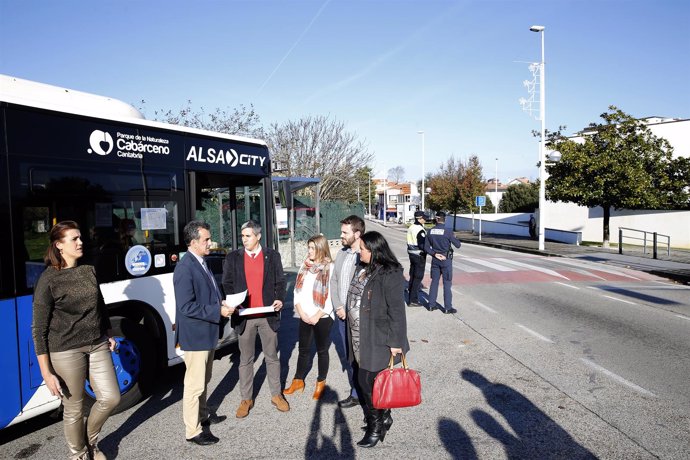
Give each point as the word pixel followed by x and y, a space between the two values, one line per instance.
pixel 320 386
pixel 244 408
pixel 296 385
pixel 280 403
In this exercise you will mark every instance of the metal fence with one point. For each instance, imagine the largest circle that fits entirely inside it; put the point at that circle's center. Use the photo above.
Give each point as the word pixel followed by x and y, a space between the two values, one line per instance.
pixel 305 225
pixel 645 238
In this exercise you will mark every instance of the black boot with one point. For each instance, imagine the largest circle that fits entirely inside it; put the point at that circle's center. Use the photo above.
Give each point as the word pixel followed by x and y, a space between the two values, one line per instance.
pixel 387 420
pixel 375 430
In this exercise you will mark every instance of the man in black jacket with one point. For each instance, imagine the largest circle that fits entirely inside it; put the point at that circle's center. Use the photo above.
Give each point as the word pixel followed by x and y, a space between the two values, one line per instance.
pixel 259 271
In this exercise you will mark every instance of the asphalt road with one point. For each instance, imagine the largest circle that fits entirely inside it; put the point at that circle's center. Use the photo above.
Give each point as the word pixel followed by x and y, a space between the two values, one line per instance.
pixel 545 359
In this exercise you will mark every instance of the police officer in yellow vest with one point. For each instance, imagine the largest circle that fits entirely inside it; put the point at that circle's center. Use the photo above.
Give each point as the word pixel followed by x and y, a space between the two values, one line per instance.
pixel 416 235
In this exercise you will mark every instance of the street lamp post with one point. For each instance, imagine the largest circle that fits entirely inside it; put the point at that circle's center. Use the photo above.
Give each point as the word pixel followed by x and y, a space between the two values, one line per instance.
pixel 385 200
pixel 369 192
pixel 542 145
pixel 496 189
pixel 422 133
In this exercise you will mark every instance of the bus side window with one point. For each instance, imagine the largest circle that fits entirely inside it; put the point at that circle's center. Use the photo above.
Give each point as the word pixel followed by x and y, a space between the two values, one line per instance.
pixel 36 225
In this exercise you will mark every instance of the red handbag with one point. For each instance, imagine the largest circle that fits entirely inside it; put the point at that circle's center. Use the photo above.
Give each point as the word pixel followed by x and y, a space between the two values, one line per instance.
pixel 397 387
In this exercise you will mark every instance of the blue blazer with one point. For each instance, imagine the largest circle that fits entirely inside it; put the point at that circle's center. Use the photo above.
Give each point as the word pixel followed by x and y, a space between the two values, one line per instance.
pixel 198 319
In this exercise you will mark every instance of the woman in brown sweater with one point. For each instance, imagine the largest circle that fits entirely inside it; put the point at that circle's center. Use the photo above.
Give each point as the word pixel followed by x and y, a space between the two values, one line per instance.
pixel 72 338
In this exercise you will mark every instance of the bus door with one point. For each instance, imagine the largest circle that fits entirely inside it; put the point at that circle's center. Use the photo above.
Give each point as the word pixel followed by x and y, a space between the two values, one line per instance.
pixel 226 202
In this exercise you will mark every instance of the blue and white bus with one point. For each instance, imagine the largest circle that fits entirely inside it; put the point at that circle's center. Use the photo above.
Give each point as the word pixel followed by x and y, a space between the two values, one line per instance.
pixel 131 184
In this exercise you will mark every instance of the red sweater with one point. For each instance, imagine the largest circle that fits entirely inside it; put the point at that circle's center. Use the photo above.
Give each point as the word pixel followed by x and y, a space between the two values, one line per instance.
pixel 254 272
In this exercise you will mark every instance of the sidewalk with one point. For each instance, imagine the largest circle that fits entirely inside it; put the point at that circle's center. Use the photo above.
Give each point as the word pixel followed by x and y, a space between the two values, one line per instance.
pixel 675 266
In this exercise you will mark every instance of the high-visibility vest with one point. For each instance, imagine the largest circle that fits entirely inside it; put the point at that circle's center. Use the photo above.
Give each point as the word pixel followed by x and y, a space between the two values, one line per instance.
pixel 412 234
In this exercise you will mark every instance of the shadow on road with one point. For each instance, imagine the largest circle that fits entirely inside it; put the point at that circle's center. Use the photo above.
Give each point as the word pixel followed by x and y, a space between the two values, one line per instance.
pixel 534 434
pixel 323 445
pixel 456 440
pixel 165 395
pixel 638 295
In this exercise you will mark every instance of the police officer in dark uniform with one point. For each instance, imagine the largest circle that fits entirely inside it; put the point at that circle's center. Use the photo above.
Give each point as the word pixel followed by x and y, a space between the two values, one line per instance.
pixel 416 236
pixel 438 244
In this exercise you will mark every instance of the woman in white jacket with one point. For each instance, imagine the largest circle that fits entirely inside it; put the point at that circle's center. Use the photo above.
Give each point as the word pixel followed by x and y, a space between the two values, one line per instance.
pixel 312 301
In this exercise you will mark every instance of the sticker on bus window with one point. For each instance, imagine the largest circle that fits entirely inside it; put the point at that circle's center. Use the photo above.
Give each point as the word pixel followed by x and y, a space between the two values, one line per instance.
pixel 153 218
pixel 159 260
pixel 138 260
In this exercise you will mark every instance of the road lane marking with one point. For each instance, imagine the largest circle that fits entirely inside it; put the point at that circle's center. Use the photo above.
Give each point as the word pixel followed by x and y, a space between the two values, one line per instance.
pixel 617 377
pixel 535 334
pixel 597 266
pixel 683 317
pixel 532 267
pixel 486 263
pixel 489 309
pixel 586 273
pixel 566 285
pixel 465 268
pixel 667 287
pixel 620 300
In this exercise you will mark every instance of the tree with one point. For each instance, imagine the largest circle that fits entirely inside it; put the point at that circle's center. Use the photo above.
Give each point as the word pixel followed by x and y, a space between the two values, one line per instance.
pixel 619 164
pixel 243 121
pixel 520 198
pixel 396 174
pixel 320 147
pixel 359 191
pixel 456 185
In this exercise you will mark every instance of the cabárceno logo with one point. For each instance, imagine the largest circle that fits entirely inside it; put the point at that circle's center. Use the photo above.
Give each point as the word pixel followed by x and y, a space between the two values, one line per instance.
pixel 101 142
pixel 229 157
pixel 128 145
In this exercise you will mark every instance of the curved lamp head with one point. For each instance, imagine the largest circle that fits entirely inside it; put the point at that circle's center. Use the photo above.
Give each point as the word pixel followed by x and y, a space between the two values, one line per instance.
pixel 537 28
pixel 553 156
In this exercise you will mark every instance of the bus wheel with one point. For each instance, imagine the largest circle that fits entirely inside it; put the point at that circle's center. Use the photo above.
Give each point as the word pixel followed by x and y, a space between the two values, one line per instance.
pixel 134 361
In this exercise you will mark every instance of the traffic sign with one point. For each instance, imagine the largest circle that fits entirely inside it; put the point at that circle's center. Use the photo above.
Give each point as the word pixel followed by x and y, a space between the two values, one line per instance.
pixel 480 201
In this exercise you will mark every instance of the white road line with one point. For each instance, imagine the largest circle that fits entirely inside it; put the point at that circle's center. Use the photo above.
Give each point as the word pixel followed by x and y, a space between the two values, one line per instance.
pixel 466 268
pixel 489 309
pixel 683 317
pixel 591 266
pixel 486 263
pixel 617 377
pixel 587 273
pixel 532 267
pixel 620 300
pixel 566 285
pixel 535 334
pixel 661 288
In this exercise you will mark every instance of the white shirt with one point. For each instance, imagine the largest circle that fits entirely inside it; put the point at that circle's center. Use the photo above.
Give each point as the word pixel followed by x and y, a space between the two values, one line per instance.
pixel 305 298
pixel 255 252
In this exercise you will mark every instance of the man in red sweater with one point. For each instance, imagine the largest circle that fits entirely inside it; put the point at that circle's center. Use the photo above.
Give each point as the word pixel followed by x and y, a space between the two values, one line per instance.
pixel 258 270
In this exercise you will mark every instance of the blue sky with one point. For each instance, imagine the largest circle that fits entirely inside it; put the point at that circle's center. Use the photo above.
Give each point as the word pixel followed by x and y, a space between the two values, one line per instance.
pixel 386 68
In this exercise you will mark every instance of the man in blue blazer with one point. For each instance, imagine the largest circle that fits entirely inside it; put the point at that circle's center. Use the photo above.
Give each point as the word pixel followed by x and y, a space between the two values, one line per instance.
pixel 200 312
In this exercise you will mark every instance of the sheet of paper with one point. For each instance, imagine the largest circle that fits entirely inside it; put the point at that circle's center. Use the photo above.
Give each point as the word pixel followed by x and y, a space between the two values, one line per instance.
pixel 234 300
pixel 256 310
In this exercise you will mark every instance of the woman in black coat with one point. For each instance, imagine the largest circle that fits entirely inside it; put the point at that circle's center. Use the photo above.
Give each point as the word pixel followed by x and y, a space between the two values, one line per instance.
pixel 377 326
